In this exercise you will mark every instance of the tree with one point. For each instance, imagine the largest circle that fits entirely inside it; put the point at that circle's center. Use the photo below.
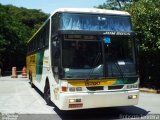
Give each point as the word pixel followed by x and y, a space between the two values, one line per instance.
pixel 116 4
pixel 145 16
pixel 16 27
pixel 146 20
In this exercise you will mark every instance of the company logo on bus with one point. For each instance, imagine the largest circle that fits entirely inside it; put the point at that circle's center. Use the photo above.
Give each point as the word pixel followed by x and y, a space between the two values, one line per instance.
pixel 116 33
pixel 92 83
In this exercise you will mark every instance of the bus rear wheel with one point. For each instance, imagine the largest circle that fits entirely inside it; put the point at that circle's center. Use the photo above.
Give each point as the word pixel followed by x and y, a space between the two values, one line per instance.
pixel 47 94
pixel 31 81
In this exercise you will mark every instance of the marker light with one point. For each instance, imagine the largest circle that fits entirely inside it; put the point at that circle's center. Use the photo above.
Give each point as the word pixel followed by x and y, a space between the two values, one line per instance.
pixel 64 89
pixel 75 105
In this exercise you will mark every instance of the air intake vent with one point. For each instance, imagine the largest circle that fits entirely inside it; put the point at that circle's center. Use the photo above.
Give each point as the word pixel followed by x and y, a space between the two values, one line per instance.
pixel 95 88
pixel 115 87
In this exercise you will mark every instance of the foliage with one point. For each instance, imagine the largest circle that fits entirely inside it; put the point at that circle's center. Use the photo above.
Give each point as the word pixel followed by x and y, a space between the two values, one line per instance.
pixel 16 27
pixel 116 4
pixel 145 16
pixel 146 21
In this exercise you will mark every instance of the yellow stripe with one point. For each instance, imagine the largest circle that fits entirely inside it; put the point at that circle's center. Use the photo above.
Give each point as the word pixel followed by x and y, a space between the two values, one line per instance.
pixel 91 83
pixel 31 65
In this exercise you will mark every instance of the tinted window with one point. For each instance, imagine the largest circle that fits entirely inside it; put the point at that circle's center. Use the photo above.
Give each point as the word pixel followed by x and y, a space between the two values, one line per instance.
pixel 95 22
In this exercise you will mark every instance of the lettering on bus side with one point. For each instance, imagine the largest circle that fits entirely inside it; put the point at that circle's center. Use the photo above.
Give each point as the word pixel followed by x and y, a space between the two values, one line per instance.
pixel 117 33
pixel 123 33
pixel 92 83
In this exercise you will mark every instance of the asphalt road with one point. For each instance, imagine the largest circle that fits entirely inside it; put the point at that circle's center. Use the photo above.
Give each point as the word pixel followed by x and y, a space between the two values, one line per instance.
pixel 21 102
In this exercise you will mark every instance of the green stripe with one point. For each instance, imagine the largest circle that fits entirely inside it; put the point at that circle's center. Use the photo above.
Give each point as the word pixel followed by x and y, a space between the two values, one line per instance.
pixel 128 80
pixel 39 65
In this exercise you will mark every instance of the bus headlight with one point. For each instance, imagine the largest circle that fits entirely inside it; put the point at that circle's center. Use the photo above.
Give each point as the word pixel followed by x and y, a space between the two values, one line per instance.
pixel 135 85
pixel 132 97
pixel 72 89
pixel 73 100
pixel 130 86
pixel 79 89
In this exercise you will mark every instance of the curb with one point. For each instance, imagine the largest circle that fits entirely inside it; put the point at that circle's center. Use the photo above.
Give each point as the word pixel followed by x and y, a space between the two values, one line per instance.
pixel 9 78
pixel 149 90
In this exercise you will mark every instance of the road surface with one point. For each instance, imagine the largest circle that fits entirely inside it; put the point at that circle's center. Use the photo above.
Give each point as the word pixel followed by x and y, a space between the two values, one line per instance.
pixel 18 98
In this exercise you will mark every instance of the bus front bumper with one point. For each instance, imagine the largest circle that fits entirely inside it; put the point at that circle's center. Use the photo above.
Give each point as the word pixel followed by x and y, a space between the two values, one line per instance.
pixel 72 101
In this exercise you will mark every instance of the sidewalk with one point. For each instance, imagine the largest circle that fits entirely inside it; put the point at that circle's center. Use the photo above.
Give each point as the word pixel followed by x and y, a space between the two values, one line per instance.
pixel 149 90
pixel 17 96
pixel 8 78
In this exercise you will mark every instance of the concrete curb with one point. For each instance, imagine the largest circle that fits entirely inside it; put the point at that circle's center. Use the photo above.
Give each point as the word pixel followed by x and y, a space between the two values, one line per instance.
pixel 9 78
pixel 149 90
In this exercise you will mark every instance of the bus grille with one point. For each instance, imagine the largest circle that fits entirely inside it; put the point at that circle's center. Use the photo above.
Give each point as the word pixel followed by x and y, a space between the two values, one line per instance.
pixel 102 88
pixel 115 87
pixel 95 88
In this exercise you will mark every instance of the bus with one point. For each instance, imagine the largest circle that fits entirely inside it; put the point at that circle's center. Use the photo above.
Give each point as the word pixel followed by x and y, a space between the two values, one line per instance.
pixel 83 58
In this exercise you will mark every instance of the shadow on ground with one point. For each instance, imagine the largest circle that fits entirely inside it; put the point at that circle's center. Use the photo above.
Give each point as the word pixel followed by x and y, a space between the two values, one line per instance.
pixel 102 113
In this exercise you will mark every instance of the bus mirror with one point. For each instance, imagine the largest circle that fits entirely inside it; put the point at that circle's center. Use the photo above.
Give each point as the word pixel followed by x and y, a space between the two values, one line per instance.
pixel 56 49
pixel 56 69
pixel 54 43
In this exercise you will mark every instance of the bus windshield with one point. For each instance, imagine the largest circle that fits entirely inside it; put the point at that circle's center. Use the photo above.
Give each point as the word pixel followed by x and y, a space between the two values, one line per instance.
pixel 120 57
pixel 97 59
pixel 95 22
pixel 82 59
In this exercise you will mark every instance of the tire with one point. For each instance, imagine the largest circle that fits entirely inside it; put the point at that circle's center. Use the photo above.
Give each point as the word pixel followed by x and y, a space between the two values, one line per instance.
pixel 31 81
pixel 47 94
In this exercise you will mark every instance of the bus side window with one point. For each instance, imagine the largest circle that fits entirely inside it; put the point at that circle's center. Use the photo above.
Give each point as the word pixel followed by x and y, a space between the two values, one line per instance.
pixel 38 43
pixel 46 30
pixel 41 40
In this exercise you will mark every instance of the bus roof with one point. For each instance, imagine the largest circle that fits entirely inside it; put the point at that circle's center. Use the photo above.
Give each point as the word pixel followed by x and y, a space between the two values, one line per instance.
pixel 90 10
pixel 84 10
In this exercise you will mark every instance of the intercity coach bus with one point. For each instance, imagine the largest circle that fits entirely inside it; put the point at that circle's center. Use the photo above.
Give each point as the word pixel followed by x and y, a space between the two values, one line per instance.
pixel 85 58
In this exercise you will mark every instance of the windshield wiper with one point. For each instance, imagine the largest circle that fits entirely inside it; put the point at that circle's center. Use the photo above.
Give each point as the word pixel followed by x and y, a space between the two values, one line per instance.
pixel 120 71
pixel 94 63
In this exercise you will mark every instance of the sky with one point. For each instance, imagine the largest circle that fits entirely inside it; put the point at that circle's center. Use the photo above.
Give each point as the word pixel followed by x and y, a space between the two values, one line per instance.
pixel 48 6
